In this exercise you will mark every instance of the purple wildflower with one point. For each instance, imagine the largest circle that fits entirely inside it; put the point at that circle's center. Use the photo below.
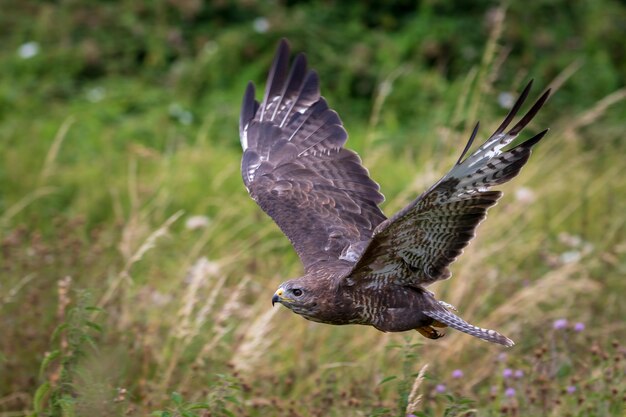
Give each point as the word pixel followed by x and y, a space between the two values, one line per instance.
pixel 440 388
pixel 560 324
pixel 457 373
pixel 571 389
pixel 579 327
pixel 507 373
pixel 510 392
pixel 518 374
pixel 502 357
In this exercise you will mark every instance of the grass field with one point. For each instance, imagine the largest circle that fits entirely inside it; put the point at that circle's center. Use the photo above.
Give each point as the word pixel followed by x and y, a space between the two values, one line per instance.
pixel 136 274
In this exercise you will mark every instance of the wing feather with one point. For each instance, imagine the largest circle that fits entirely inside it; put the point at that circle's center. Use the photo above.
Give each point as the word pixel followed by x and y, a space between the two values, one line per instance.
pixel 295 167
pixel 416 246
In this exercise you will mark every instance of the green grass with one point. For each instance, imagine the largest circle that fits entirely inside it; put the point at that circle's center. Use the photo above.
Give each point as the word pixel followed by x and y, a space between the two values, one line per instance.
pixel 124 125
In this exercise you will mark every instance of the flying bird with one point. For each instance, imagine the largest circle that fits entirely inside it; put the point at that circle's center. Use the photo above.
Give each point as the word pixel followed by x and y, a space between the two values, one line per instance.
pixel 361 267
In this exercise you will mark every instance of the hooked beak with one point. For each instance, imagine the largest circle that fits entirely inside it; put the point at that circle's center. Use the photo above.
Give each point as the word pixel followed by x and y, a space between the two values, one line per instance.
pixel 277 298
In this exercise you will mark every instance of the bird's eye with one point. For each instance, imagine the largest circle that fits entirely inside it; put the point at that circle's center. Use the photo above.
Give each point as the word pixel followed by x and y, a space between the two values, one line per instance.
pixel 297 292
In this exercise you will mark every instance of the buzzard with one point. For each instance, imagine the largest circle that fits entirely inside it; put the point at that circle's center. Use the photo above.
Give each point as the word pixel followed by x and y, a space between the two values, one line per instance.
pixel 359 266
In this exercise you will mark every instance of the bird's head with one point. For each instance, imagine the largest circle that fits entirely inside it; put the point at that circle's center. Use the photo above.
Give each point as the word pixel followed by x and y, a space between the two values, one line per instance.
pixel 299 296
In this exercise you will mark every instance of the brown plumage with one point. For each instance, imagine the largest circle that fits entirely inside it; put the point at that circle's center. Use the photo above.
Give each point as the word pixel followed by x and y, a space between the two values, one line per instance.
pixel 360 267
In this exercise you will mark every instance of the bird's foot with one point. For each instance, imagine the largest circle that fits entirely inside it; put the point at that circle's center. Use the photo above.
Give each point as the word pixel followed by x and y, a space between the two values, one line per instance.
pixel 429 332
pixel 436 323
pixel 448 306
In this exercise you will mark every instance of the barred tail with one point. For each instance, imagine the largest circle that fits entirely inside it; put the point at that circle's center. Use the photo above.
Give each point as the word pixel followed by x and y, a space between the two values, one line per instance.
pixel 450 319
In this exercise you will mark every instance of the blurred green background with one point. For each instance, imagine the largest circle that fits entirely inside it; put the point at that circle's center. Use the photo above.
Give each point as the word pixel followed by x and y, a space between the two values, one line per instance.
pixel 118 131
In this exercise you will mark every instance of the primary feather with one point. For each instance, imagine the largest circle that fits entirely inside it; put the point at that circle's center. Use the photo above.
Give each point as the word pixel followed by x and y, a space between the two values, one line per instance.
pixel 296 168
pixel 418 243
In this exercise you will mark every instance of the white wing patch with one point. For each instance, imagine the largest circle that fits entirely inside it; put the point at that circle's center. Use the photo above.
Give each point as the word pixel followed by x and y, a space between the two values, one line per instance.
pixel 244 137
pixel 350 254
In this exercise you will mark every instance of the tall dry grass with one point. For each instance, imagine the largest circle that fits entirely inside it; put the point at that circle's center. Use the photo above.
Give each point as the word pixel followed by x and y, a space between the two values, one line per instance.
pixel 188 310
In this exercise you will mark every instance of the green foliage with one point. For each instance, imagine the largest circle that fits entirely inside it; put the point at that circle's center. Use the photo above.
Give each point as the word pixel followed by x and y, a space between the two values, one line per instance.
pixel 458 406
pixel 224 394
pixel 118 125
pixel 71 341
pixel 182 409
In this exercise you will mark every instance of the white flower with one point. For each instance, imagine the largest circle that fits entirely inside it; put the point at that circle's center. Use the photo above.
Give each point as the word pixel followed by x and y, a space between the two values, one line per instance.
pixel 96 94
pixel 28 50
pixel 570 257
pixel 261 25
pixel 573 241
pixel 525 195
pixel 197 222
pixel 159 299
pixel 506 100
pixel 181 114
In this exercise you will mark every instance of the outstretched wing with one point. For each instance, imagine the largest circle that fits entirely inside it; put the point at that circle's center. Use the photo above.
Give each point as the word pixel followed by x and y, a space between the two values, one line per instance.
pixel 295 167
pixel 416 245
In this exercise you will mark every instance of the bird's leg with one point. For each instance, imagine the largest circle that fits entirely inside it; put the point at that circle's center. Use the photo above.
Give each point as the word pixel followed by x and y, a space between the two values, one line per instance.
pixel 448 306
pixel 429 332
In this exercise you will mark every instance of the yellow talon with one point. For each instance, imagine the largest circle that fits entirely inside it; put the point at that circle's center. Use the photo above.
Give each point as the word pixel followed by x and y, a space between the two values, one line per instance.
pixel 429 332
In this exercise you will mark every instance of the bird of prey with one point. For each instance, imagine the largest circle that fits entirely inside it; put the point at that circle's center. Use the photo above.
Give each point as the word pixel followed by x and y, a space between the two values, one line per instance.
pixel 359 266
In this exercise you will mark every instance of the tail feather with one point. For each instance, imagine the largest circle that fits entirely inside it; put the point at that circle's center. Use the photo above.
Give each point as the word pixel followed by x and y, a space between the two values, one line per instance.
pixel 452 320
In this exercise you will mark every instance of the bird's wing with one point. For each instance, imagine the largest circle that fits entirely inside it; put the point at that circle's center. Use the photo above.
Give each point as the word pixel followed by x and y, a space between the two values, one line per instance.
pixel 295 167
pixel 416 245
